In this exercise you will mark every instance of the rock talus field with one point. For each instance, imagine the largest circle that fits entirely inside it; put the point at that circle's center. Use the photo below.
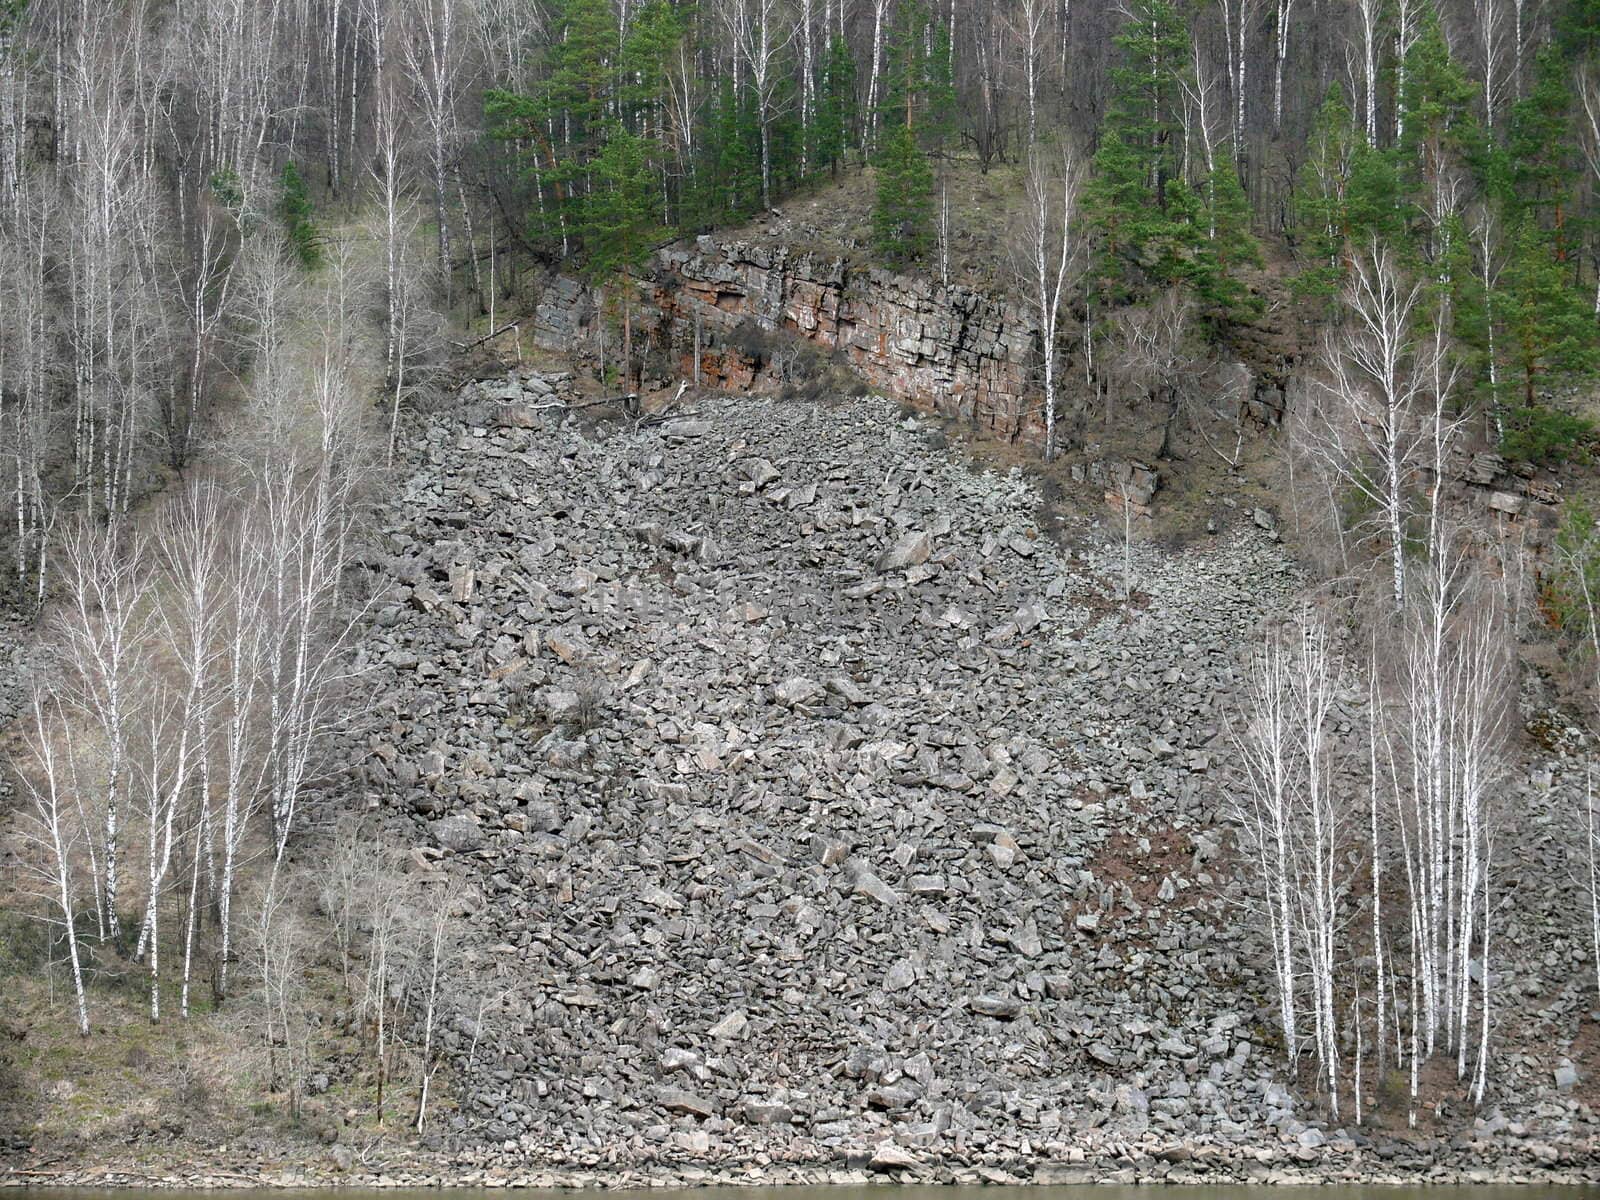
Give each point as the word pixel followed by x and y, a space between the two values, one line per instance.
pixel 802 788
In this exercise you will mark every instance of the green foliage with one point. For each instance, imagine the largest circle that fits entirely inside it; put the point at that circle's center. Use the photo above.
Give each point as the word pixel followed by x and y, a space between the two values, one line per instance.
pixel 1572 591
pixel 941 122
pixel 1540 434
pixel 295 210
pixel 1231 245
pixel 902 211
pixel 1376 203
pixel 1155 230
pixel 227 189
pixel 564 132
pixel 733 173
pixel 1137 163
pixel 918 87
pixel 836 106
pixel 580 75
pixel 1540 147
pixel 619 226
pixel 1439 128
pixel 1322 199
pixel 654 32
pixel 1119 198
pixel 1147 87
pixel 1549 332
pixel 1577 30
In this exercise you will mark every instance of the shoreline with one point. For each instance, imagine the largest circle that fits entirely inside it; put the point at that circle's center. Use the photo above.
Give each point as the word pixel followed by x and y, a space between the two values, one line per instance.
pixel 1396 1164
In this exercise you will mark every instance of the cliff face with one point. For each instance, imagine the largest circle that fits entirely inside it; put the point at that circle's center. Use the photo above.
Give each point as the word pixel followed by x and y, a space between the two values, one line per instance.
pixel 763 318
pixel 950 350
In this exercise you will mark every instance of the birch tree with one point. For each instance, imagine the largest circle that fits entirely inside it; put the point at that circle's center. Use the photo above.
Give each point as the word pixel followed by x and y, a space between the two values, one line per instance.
pixel 55 828
pixel 1295 822
pixel 1046 258
pixel 1030 21
pixel 1379 413
pixel 1367 16
pixel 760 37
pixel 1283 10
pixel 100 638
pixel 431 52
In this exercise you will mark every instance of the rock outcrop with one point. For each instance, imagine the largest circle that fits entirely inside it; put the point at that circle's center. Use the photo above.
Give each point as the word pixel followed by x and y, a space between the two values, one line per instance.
pixel 951 350
pixel 760 317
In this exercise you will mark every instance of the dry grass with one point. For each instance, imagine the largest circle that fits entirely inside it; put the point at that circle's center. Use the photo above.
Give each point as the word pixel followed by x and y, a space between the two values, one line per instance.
pixel 832 218
pixel 133 1090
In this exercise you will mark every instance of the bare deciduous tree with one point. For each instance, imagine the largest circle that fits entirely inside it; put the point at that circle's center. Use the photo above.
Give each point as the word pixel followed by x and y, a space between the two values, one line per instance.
pixel 1046 256
pixel 100 636
pixel 1385 412
pixel 1152 353
pixel 1295 820
pixel 55 826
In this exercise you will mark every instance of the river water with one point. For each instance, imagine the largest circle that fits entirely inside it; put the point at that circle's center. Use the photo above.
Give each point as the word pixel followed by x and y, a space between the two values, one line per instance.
pixel 885 1192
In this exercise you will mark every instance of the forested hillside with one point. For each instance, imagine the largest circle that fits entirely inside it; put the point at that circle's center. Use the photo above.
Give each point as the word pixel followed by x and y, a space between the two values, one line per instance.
pixel 351 726
pixel 141 142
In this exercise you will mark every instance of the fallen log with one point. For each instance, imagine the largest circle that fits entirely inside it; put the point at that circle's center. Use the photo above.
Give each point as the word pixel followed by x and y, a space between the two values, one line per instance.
pixel 487 337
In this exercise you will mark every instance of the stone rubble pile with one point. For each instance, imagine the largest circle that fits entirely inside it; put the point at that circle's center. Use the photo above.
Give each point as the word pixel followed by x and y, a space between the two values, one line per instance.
pixel 806 799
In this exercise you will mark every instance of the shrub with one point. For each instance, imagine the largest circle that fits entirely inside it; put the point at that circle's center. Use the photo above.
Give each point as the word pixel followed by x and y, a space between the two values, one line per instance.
pixel 295 210
pixel 1543 435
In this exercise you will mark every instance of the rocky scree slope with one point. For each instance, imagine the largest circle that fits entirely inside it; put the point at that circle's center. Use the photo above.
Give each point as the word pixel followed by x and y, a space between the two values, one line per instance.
pixel 806 799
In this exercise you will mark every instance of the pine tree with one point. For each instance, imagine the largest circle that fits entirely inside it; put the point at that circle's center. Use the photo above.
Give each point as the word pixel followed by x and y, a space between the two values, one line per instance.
pixel 902 213
pixel 580 78
pixel 1232 245
pixel 1539 150
pixel 654 32
pixel 296 210
pixel 1322 200
pixel 1376 202
pixel 1440 133
pixel 561 124
pixel 1146 88
pixel 735 159
pixel 941 123
pixel 919 89
pixel 1549 332
pixel 619 225
pixel 905 73
pixel 836 106
pixel 1577 30
pixel 1155 229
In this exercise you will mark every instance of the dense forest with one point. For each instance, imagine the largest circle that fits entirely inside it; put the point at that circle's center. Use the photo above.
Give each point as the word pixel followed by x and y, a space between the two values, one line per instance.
pixel 235 234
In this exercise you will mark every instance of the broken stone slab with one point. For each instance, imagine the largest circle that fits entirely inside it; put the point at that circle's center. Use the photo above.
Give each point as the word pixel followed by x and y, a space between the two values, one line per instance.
pixel 1003 1008
pixel 890 1157
pixel 457 833
pixel 908 550
pixel 1104 1054
pixel 864 883
pixel 685 427
pixel 731 1027
pixel 767 1112
pixel 674 1058
pixel 677 1100
pixel 827 851
pixel 900 976
pixel 846 689
pixel 797 691
pixel 758 471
